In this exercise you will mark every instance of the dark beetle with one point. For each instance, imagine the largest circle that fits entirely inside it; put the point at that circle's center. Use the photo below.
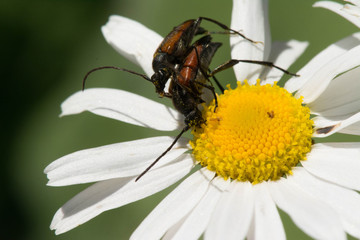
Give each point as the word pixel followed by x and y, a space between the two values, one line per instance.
pixel 172 51
pixel 189 80
pixel 187 83
pixel 175 47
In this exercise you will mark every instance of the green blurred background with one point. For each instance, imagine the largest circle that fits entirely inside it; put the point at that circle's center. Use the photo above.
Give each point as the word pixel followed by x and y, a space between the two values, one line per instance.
pixel 47 47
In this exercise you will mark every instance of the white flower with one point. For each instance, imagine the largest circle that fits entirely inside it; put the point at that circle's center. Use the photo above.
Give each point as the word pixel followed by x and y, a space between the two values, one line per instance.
pixel 350 12
pixel 320 196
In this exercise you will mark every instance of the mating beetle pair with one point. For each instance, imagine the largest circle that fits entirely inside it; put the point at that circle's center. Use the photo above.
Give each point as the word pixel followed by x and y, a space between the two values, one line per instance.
pixel 187 65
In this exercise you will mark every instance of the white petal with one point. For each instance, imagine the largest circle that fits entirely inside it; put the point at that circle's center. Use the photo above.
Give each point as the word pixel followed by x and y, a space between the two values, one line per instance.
pixel 175 206
pixel 112 161
pixel 266 223
pixel 122 106
pixel 233 214
pixel 311 90
pixel 197 220
pixel 321 59
pixel 337 8
pixel 344 201
pixel 355 2
pixel 335 162
pixel 341 96
pixel 310 214
pixel 351 9
pixel 353 129
pixel 282 54
pixel 344 124
pixel 114 193
pixel 172 231
pixel 132 40
pixel 251 18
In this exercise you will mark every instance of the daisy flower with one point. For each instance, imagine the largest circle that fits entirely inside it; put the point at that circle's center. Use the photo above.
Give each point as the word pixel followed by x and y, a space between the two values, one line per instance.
pixel 257 152
pixel 350 11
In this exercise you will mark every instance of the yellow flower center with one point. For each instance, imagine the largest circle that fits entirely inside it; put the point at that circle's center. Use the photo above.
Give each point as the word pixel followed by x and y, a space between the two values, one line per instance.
pixel 257 133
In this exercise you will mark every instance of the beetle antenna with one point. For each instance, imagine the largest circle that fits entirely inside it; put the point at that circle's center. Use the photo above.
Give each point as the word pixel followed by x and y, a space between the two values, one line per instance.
pixel 163 154
pixel 116 68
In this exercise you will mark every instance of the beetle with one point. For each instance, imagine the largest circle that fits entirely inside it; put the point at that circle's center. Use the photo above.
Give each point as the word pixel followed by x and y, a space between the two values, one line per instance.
pixel 192 77
pixel 187 83
pixel 175 47
pixel 172 51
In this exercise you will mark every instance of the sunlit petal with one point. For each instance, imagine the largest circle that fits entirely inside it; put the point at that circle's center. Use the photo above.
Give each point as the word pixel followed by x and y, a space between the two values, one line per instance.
pixel 339 9
pixel 175 206
pixel 123 106
pixel 331 52
pixel 344 201
pixel 325 126
pixel 132 40
pixel 266 223
pixel 335 162
pixel 311 90
pixel 341 97
pixel 197 220
pixel 233 214
pixel 283 54
pixel 110 194
pixel 310 214
pixel 112 161
pixel 250 17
